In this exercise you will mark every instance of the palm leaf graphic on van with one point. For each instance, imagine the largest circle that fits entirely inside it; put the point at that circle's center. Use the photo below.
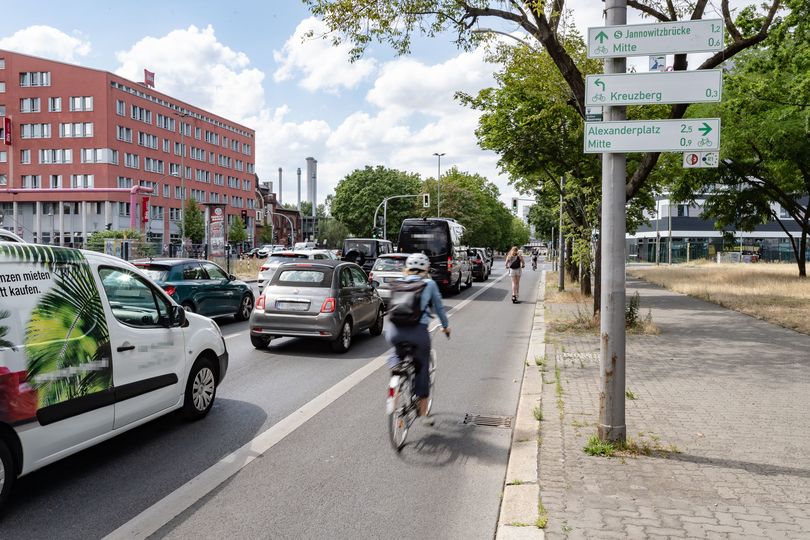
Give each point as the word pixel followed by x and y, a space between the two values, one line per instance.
pixel 67 343
pixel 4 343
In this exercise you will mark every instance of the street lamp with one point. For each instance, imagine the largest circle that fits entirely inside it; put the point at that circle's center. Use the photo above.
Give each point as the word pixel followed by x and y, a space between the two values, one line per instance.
pixel 439 185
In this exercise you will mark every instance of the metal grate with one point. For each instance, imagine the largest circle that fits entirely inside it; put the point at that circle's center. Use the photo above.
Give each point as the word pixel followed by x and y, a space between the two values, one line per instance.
pixel 489 421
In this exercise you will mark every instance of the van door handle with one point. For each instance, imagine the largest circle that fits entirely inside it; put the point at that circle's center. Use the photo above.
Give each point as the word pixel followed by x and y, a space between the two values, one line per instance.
pixel 123 348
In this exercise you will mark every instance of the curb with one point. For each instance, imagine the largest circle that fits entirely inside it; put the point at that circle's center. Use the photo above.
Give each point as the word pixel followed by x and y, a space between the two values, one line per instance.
pixel 521 493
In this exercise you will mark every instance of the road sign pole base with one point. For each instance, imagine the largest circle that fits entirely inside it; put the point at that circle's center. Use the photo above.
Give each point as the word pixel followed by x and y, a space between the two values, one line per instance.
pixel 611 433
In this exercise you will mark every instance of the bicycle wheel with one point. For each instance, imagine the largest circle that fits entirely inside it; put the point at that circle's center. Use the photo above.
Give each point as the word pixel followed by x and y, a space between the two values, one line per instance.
pixel 432 372
pixel 397 420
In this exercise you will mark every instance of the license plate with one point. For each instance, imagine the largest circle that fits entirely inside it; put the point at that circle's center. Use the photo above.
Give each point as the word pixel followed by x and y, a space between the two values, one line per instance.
pixel 293 306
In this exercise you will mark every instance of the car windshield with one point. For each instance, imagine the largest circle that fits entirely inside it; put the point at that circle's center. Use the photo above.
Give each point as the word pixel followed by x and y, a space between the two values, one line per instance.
pixel 154 271
pixel 366 247
pixel 428 237
pixel 389 264
pixel 303 277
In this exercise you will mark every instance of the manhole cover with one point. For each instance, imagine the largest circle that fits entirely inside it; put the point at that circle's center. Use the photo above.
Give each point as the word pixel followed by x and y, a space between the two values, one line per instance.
pixel 490 421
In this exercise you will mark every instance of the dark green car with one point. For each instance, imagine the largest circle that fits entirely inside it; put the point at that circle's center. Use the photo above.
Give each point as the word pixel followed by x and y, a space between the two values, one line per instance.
pixel 201 286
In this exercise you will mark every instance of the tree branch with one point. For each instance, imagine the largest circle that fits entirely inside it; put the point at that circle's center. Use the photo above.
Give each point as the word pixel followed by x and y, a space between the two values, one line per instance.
pixel 521 41
pixel 732 28
pixel 556 13
pixel 651 11
pixel 672 13
pixel 700 7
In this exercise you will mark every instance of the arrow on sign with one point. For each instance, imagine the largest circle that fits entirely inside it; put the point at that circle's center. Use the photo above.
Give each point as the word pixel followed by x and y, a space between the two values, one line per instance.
pixel 601 36
pixel 600 82
pixel 705 129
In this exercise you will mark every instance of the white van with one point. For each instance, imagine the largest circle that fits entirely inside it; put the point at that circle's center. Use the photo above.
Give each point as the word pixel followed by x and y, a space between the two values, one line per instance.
pixel 90 348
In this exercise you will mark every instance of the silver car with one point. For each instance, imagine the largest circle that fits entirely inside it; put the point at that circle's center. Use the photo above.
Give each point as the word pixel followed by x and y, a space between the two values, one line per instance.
pixel 279 257
pixel 387 268
pixel 326 299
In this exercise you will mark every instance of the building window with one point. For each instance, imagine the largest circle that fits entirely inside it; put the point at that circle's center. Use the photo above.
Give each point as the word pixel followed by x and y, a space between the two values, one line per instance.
pixel 2 110
pixel 124 183
pixel 31 181
pixel 3 180
pixel 197 133
pixel 147 140
pixel 153 165
pixel 35 131
pixel 3 156
pixel 166 191
pixel 54 104
pixel 35 78
pixel 55 156
pixel 76 129
pixel 174 169
pixel 29 105
pixel 131 160
pixel 683 210
pixel 81 180
pixel 783 213
pixel 141 114
pixel 120 107
pixel 2 63
pixel 81 103
pixel 25 157
pixel 123 209
pixel 2 87
pixel 56 181
pixel 166 145
pixel 123 134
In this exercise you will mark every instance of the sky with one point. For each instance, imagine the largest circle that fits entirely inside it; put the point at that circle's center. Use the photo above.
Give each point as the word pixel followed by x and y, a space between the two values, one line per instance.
pixel 249 62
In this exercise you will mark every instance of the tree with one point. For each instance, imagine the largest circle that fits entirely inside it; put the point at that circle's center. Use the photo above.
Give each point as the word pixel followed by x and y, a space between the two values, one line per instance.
pixel 396 21
pixel 236 232
pixel 359 193
pixel 95 241
pixel 266 235
pixel 306 209
pixel 333 231
pixel 765 158
pixel 474 202
pixel 193 223
pixel 544 220
pixel 519 232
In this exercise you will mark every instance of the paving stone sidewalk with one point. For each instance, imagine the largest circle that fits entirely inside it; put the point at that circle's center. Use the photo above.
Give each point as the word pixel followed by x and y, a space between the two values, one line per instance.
pixel 725 398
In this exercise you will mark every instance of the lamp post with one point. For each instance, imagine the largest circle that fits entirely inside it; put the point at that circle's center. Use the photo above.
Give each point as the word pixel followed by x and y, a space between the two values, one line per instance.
pixel 439 184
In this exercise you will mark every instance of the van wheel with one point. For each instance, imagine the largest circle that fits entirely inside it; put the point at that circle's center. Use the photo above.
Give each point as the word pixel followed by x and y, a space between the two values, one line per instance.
pixel 457 287
pixel 344 339
pixel 7 473
pixel 201 389
pixel 245 307
pixel 189 307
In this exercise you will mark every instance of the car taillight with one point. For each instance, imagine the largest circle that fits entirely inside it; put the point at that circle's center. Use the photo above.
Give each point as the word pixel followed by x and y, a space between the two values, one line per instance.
pixel 260 302
pixel 328 305
pixel 264 267
pixel 370 276
pixel 170 290
pixel 449 263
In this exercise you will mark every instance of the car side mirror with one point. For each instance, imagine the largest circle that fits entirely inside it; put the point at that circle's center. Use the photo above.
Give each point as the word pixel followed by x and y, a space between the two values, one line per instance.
pixel 231 277
pixel 374 283
pixel 178 316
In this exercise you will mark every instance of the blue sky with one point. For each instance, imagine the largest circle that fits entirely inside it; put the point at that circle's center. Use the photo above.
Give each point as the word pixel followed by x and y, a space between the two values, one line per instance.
pixel 246 61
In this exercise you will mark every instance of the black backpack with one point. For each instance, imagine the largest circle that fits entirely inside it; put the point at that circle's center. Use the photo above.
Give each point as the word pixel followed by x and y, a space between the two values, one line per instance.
pixel 515 264
pixel 405 307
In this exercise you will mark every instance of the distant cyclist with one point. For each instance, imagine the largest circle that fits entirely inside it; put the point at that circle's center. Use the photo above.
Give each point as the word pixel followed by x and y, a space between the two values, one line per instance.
pixel 414 330
pixel 534 259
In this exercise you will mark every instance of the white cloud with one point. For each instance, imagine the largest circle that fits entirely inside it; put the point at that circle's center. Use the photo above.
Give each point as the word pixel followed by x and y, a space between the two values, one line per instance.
pixel 48 42
pixel 192 65
pixel 323 66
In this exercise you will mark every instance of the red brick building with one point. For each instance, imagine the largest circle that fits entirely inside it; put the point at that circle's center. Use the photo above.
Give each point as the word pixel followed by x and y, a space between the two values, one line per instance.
pixel 85 149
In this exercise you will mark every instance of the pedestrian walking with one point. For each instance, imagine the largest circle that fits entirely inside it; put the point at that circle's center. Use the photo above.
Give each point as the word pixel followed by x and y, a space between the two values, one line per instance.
pixel 514 264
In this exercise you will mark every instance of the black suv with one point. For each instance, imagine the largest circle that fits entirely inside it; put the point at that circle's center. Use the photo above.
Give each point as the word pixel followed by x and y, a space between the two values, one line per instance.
pixel 364 251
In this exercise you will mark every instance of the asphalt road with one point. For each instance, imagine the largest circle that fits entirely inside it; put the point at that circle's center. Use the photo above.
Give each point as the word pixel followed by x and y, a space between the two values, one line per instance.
pixel 336 475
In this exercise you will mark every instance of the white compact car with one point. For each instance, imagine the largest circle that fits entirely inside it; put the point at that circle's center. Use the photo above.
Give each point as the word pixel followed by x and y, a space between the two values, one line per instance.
pixel 90 348
pixel 277 258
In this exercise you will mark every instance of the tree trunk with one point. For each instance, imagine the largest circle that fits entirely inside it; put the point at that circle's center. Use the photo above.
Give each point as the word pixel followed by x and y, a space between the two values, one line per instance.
pixel 802 262
pixel 571 267
pixel 585 282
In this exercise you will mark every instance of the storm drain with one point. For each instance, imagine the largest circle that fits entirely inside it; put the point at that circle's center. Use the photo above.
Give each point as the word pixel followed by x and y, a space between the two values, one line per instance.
pixel 489 421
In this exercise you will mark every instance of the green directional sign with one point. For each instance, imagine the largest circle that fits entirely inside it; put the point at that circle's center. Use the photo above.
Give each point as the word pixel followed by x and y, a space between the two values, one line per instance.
pixel 702 134
pixel 702 35
pixel 700 86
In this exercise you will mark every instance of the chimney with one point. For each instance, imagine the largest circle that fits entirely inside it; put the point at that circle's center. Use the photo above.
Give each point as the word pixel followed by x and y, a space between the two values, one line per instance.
pixel 312 183
pixel 280 185
pixel 299 189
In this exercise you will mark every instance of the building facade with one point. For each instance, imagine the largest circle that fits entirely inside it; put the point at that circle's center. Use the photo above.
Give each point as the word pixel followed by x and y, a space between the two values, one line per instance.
pixel 86 150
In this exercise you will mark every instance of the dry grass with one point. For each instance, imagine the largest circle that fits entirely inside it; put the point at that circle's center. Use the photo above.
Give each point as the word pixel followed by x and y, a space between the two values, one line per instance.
pixel 570 295
pixel 771 292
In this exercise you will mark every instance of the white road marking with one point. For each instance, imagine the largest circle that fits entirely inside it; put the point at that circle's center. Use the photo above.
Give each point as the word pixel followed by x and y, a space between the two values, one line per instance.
pixel 172 505
pixel 229 336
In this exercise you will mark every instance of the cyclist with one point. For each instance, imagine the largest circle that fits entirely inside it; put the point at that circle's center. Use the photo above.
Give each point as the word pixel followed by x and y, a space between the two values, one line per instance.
pixel 534 259
pixel 416 269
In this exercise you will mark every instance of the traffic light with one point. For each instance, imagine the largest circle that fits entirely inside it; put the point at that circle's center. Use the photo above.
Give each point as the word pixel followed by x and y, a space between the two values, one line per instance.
pixel 426 200
pixel 514 205
pixel 244 216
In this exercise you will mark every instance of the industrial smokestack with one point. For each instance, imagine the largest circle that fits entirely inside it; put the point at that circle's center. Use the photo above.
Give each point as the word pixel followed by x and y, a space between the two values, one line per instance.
pixel 312 183
pixel 299 189
pixel 280 186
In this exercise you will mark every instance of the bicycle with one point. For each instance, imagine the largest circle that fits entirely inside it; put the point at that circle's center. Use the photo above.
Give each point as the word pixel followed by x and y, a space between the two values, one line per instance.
pixel 401 405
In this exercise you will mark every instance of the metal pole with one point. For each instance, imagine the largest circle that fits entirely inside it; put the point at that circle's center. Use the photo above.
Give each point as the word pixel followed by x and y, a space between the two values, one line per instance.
pixel 669 240
pixel 657 234
pixel 611 426
pixel 439 185
pixel 385 219
pixel 561 243
pixel 551 252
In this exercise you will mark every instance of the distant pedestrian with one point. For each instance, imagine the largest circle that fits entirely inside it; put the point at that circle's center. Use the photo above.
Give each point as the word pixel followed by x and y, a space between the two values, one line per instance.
pixel 514 264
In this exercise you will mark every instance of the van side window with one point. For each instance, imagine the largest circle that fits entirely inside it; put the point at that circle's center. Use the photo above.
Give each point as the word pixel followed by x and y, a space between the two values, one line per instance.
pixel 132 300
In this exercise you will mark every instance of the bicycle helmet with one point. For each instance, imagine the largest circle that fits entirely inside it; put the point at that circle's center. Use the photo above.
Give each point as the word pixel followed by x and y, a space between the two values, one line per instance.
pixel 417 261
